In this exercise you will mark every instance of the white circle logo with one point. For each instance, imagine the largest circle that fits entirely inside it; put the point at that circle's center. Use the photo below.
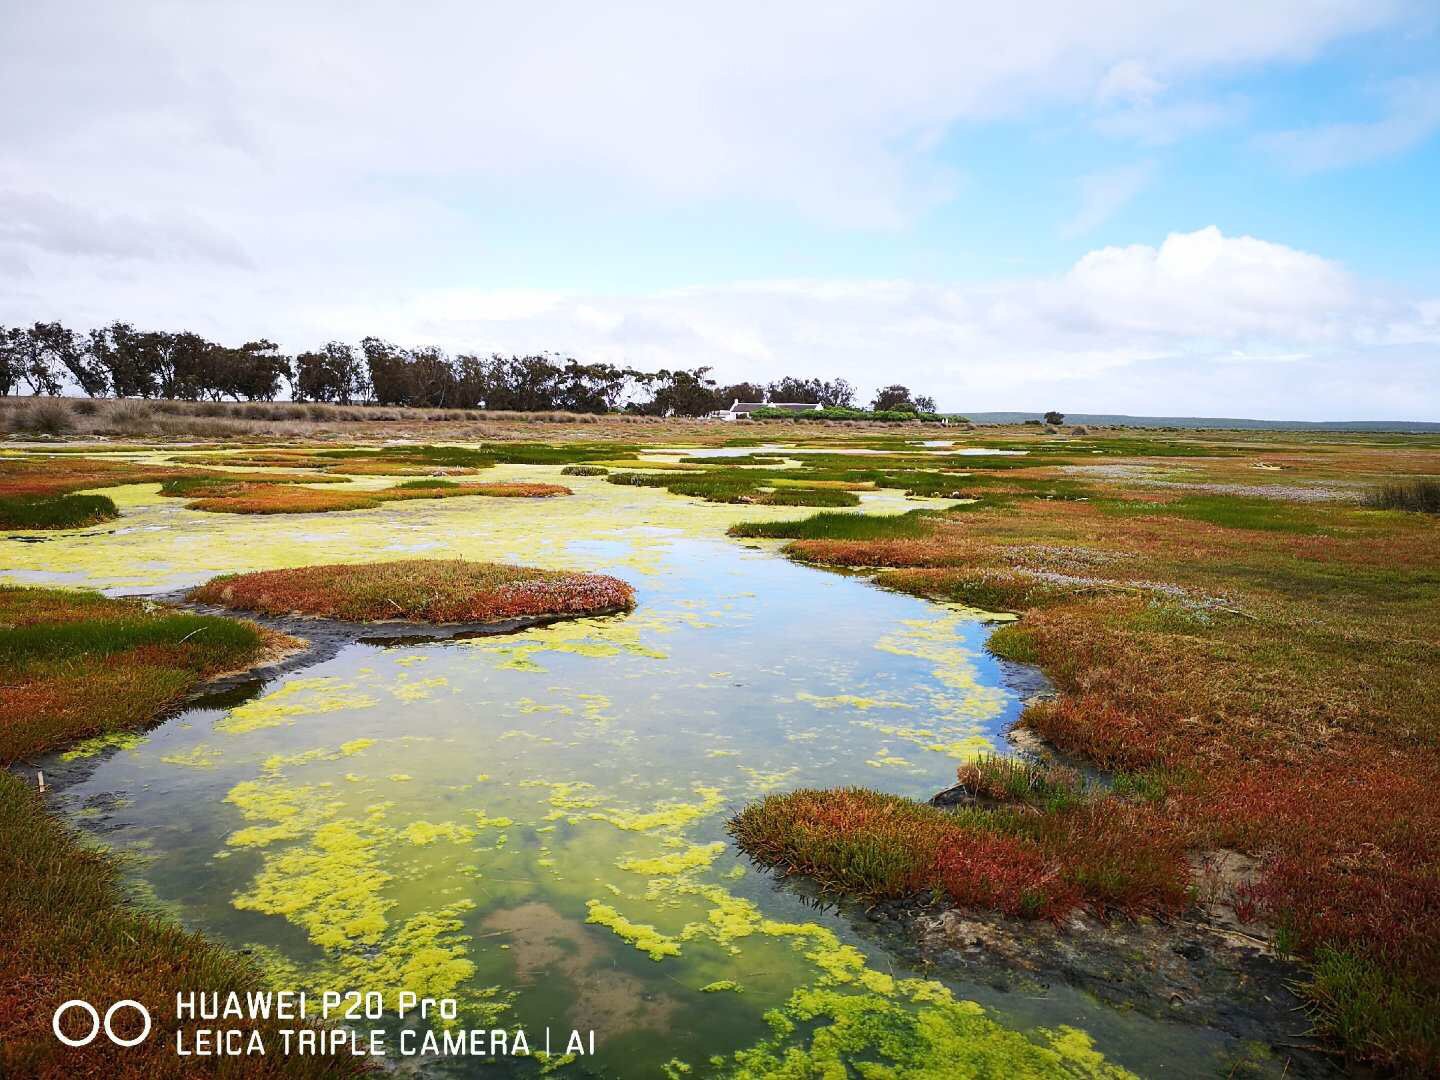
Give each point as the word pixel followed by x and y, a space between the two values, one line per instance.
pixel 96 1023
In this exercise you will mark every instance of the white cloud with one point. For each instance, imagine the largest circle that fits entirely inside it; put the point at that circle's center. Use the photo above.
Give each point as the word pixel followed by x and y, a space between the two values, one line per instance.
pixel 1412 115
pixel 1128 82
pixel 45 222
pixel 263 111
pixel 1103 194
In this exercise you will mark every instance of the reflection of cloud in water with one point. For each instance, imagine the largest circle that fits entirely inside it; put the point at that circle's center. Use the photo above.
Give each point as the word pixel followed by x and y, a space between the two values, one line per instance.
pixel 545 945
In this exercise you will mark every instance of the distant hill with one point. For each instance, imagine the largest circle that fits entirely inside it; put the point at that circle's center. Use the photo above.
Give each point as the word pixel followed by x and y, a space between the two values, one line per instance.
pixel 1115 419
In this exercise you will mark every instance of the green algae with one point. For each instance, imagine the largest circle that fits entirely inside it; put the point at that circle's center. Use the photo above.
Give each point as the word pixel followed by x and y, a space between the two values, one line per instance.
pixel 417 690
pixel 291 811
pixel 852 701
pixel 667 815
pixel 421 833
pixel 722 985
pixel 693 857
pixel 644 937
pixel 197 757
pixel 280 707
pixel 330 887
pixel 427 955
pixel 99 744
pixel 881 1039
pixel 885 759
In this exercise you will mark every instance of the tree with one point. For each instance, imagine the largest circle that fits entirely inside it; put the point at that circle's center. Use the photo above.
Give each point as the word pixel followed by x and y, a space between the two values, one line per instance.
pixel 742 391
pixel 685 393
pixel 31 357
pixel 121 353
pixel 806 391
pixel 188 361
pixel 254 371
pixel 68 351
pixel 924 403
pixel 894 398
pixel 386 365
pixel 333 374
pixel 1054 419
pixel 9 362
pixel 837 394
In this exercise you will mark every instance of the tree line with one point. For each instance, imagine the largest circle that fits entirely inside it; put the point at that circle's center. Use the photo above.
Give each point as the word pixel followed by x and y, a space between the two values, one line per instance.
pixel 119 360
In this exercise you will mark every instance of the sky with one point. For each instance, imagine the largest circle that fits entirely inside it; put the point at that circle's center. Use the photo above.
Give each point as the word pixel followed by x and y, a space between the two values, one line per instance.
pixel 1217 208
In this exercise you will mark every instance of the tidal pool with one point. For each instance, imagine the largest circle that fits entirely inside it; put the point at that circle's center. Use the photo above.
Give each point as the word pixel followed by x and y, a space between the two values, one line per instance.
pixel 533 823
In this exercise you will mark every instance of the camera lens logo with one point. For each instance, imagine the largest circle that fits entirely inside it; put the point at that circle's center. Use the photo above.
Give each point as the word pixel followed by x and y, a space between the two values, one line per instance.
pixel 96 1024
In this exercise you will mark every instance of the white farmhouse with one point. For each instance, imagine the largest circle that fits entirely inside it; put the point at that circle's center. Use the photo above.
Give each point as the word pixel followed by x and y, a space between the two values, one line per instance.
pixel 741 410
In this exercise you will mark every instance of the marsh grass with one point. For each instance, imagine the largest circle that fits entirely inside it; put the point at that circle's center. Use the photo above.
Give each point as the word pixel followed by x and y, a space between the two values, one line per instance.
pixel 419 590
pixel 835 526
pixel 63 474
pixel 1014 643
pixel 984 588
pixel 1233 512
pixel 806 497
pixel 78 664
pixel 993 778
pixel 55 511
pixel 1420 495
pixel 1104 854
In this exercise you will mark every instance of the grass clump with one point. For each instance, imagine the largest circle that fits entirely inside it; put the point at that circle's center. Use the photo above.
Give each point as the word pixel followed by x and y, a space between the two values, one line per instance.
pixel 806 497
pixel 834 526
pixel 1013 642
pixel 1017 861
pixel 983 588
pixel 55 511
pixel 419 590
pixel 995 779
pixel 584 470
pixel 1421 496
pixel 48 417
pixel 1358 1003
pixel 78 664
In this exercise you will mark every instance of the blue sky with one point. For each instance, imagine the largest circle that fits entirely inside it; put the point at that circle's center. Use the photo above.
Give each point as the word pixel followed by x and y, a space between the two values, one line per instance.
pixel 1219 208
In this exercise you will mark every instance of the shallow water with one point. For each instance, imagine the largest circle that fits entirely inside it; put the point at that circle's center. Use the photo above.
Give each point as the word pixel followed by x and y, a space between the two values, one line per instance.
pixel 534 823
